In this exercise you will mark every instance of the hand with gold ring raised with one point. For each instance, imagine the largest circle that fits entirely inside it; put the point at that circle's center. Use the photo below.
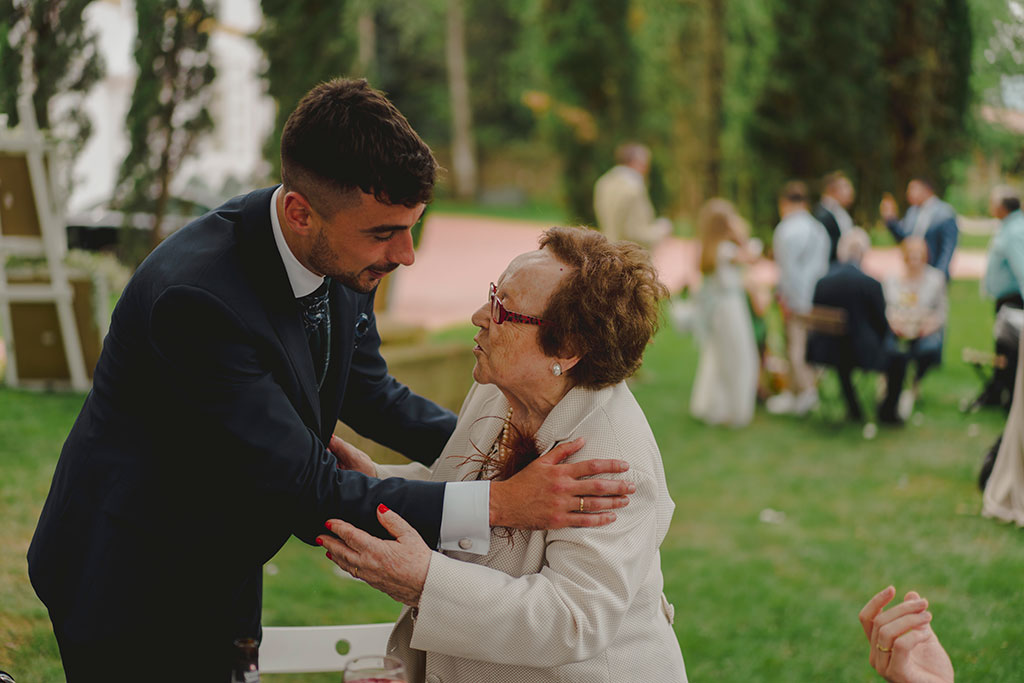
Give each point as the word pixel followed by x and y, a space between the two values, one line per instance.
pixel 904 648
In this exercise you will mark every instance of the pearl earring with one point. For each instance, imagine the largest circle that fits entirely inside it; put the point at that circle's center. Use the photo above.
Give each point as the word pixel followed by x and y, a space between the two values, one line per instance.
pixel 556 369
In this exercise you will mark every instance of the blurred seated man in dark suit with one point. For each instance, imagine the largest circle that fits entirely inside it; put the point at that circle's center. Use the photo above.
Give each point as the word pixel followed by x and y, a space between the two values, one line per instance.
pixel 862 345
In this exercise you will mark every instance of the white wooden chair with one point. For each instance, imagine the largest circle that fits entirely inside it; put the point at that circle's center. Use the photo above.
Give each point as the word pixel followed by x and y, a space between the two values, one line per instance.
pixel 307 649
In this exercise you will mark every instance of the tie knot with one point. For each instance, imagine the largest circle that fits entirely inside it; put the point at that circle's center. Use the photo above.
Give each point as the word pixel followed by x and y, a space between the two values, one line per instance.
pixel 314 306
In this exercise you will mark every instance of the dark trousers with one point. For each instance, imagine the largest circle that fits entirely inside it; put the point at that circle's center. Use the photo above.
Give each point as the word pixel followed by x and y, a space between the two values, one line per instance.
pixel 142 656
pixel 926 353
pixel 1002 380
pixel 853 410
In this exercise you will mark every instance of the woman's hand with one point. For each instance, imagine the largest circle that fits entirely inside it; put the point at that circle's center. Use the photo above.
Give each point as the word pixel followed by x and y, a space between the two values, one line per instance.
pixel 351 458
pixel 398 567
pixel 904 648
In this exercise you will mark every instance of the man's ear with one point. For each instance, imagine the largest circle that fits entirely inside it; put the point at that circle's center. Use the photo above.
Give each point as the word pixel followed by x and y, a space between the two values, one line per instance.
pixel 298 214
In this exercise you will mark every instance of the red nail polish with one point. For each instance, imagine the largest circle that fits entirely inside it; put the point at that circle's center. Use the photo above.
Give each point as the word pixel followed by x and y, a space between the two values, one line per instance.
pixel 327 525
pixel 329 556
pixel 319 541
pixel 382 508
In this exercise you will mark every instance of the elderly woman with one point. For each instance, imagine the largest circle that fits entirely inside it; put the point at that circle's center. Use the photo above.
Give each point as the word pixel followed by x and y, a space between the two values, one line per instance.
pixel 562 329
pixel 916 307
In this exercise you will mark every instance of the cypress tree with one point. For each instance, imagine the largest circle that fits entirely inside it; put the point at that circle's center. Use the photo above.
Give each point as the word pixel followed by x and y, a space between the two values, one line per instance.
pixel 65 61
pixel 168 111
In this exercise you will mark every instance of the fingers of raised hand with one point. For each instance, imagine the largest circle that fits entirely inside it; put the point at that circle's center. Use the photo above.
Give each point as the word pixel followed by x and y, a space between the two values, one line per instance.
pixel 600 487
pixel 873 607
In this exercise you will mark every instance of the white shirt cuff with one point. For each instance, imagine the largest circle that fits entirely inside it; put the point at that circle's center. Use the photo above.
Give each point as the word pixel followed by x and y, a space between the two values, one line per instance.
pixel 466 517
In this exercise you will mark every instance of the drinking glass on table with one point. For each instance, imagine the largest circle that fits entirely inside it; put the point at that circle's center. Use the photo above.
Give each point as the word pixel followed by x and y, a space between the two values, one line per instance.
pixel 374 669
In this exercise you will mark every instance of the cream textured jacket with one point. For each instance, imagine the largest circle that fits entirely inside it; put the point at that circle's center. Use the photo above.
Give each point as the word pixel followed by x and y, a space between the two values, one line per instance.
pixel 581 605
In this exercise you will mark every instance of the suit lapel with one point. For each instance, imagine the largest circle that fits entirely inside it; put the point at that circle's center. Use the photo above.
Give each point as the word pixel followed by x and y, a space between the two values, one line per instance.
pixel 268 278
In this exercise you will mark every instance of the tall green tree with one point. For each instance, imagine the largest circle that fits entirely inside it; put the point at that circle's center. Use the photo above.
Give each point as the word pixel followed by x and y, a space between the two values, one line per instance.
pixel 65 60
pixel 823 104
pixel 928 63
pixel 591 71
pixel 305 43
pixel 168 112
pixel 876 88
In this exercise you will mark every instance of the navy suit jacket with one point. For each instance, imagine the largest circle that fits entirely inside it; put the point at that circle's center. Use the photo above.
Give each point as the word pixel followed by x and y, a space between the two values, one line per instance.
pixel 861 296
pixel 200 448
pixel 941 235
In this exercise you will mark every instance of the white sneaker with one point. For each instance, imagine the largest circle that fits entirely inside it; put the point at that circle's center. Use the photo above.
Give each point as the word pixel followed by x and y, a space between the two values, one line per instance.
pixel 806 402
pixel 905 406
pixel 780 404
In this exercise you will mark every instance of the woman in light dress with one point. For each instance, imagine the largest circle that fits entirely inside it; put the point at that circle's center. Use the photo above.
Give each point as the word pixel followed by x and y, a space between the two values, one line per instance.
pixel 725 388
pixel 560 332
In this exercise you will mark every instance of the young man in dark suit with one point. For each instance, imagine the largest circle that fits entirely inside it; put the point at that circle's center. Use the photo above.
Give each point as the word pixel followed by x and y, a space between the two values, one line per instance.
pixel 836 198
pixel 232 353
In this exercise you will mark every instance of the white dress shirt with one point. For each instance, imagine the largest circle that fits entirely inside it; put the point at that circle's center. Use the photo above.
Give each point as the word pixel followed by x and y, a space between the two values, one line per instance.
pixel 465 517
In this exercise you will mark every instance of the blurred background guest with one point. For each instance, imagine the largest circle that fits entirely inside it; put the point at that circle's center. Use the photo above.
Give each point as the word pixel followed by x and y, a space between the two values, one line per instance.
pixel 800 245
pixel 1004 275
pixel 916 308
pixel 928 217
pixel 859 296
pixel 836 197
pixel 621 204
pixel 725 388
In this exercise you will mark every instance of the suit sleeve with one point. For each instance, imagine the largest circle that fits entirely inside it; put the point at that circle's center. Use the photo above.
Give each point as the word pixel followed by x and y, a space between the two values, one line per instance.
pixel 383 409
pixel 899 232
pixel 569 611
pixel 946 245
pixel 215 367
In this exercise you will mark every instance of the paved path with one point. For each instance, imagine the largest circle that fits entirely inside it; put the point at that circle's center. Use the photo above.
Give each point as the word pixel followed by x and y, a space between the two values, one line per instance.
pixel 460 255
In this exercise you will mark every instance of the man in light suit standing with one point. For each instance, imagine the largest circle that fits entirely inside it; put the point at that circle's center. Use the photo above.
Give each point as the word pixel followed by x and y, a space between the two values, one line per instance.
pixel 232 353
pixel 929 218
pixel 800 245
pixel 621 204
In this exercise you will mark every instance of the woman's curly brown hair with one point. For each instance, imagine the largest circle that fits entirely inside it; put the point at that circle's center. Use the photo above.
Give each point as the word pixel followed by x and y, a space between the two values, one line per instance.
pixel 607 308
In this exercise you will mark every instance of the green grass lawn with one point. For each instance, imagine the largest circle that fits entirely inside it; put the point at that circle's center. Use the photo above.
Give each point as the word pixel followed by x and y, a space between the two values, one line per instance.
pixel 754 601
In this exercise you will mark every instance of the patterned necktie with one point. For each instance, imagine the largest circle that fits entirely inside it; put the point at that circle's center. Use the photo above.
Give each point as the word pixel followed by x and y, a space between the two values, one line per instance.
pixel 316 317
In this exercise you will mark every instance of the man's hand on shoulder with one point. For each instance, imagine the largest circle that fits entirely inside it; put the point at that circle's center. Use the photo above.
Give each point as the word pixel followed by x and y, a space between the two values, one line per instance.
pixel 549 495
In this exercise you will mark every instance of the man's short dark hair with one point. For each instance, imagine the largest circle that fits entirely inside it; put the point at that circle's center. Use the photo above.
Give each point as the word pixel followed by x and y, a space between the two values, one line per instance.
pixel 343 136
pixel 794 191
pixel 926 181
pixel 832 179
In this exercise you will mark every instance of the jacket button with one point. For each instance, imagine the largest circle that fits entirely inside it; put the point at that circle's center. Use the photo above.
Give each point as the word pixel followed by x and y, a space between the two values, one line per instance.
pixel 465 543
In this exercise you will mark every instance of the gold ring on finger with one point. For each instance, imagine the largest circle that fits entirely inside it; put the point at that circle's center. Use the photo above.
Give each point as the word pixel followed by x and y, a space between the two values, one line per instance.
pixel 886 650
pixel 354 572
pixel 581 503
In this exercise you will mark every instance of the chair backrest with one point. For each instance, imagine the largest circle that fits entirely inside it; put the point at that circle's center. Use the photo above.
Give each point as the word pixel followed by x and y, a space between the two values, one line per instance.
pixel 303 649
pixel 825 320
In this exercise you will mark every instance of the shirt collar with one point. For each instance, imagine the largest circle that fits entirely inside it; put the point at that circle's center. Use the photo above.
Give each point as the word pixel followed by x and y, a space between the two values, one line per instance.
pixel 302 279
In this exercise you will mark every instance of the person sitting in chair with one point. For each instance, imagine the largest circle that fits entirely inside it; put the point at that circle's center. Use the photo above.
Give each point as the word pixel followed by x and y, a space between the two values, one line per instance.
pixel 860 297
pixel 916 307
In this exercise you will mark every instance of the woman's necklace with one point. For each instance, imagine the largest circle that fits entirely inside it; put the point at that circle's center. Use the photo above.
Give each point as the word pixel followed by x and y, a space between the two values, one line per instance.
pixel 505 438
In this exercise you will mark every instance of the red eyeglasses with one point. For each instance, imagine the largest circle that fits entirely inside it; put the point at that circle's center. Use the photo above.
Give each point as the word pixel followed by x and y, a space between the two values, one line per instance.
pixel 500 314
